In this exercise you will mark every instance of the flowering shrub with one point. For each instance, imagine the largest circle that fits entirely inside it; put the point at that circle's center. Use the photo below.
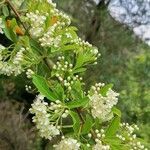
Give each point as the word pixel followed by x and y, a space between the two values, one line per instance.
pixel 46 47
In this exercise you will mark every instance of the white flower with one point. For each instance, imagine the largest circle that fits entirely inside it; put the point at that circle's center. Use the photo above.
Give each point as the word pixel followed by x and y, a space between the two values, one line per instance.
pixel 51 3
pixel 99 146
pixel 49 39
pixel 37 23
pixel 101 106
pixel 19 56
pixel 29 73
pixel 8 68
pixel 68 144
pixel 41 118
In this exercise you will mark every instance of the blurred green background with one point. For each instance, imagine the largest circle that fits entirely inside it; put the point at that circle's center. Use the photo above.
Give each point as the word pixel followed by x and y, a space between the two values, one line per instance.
pixel 124 61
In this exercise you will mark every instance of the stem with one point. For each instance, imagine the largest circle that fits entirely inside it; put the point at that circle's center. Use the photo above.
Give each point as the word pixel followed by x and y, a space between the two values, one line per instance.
pixel 93 134
pixel 48 62
pixel 15 12
pixel 82 122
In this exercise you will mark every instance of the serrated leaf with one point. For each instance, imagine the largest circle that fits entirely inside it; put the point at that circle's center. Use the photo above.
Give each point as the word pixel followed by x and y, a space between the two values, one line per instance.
pixel 60 91
pixel 77 103
pixel 116 111
pixel 73 28
pixel 76 121
pixel 5 10
pixel 9 31
pixel 105 89
pixel 113 127
pixel 35 45
pixel 79 70
pixel 43 87
pixel 77 92
pixel 79 61
pixel 68 47
pixel 87 125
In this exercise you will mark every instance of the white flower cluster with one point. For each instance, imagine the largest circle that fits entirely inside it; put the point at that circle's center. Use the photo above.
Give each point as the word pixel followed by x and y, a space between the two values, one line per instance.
pixel 120 137
pixel 28 88
pixel 85 44
pixel 136 145
pixel 101 105
pixel 80 42
pixel 100 146
pixel 100 134
pixel 61 68
pixel 59 109
pixel 49 38
pixel 68 144
pixel 15 67
pixel 99 138
pixel 41 118
pixel 9 69
pixel 1 26
pixel 37 22
pixel 29 73
pixel 130 129
pixel 64 19
pixel 51 3
pixel 19 56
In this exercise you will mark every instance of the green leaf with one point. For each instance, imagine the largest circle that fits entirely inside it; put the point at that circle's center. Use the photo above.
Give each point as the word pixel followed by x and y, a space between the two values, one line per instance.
pixel 77 103
pixel 105 89
pixel 73 28
pixel 116 144
pixel 9 31
pixel 59 91
pixel 97 123
pixel 113 127
pixel 43 87
pixel 68 47
pixel 87 125
pixel 5 10
pixel 116 111
pixel 78 70
pixel 76 121
pixel 79 61
pixel 77 92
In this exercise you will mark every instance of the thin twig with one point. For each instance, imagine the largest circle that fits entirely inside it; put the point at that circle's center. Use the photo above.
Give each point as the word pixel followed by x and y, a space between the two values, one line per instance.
pixel 15 12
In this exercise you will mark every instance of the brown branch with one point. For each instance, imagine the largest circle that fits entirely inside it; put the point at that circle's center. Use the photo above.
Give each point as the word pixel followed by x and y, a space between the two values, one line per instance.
pixel 82 122
pixel 93 134
pixel 15 12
